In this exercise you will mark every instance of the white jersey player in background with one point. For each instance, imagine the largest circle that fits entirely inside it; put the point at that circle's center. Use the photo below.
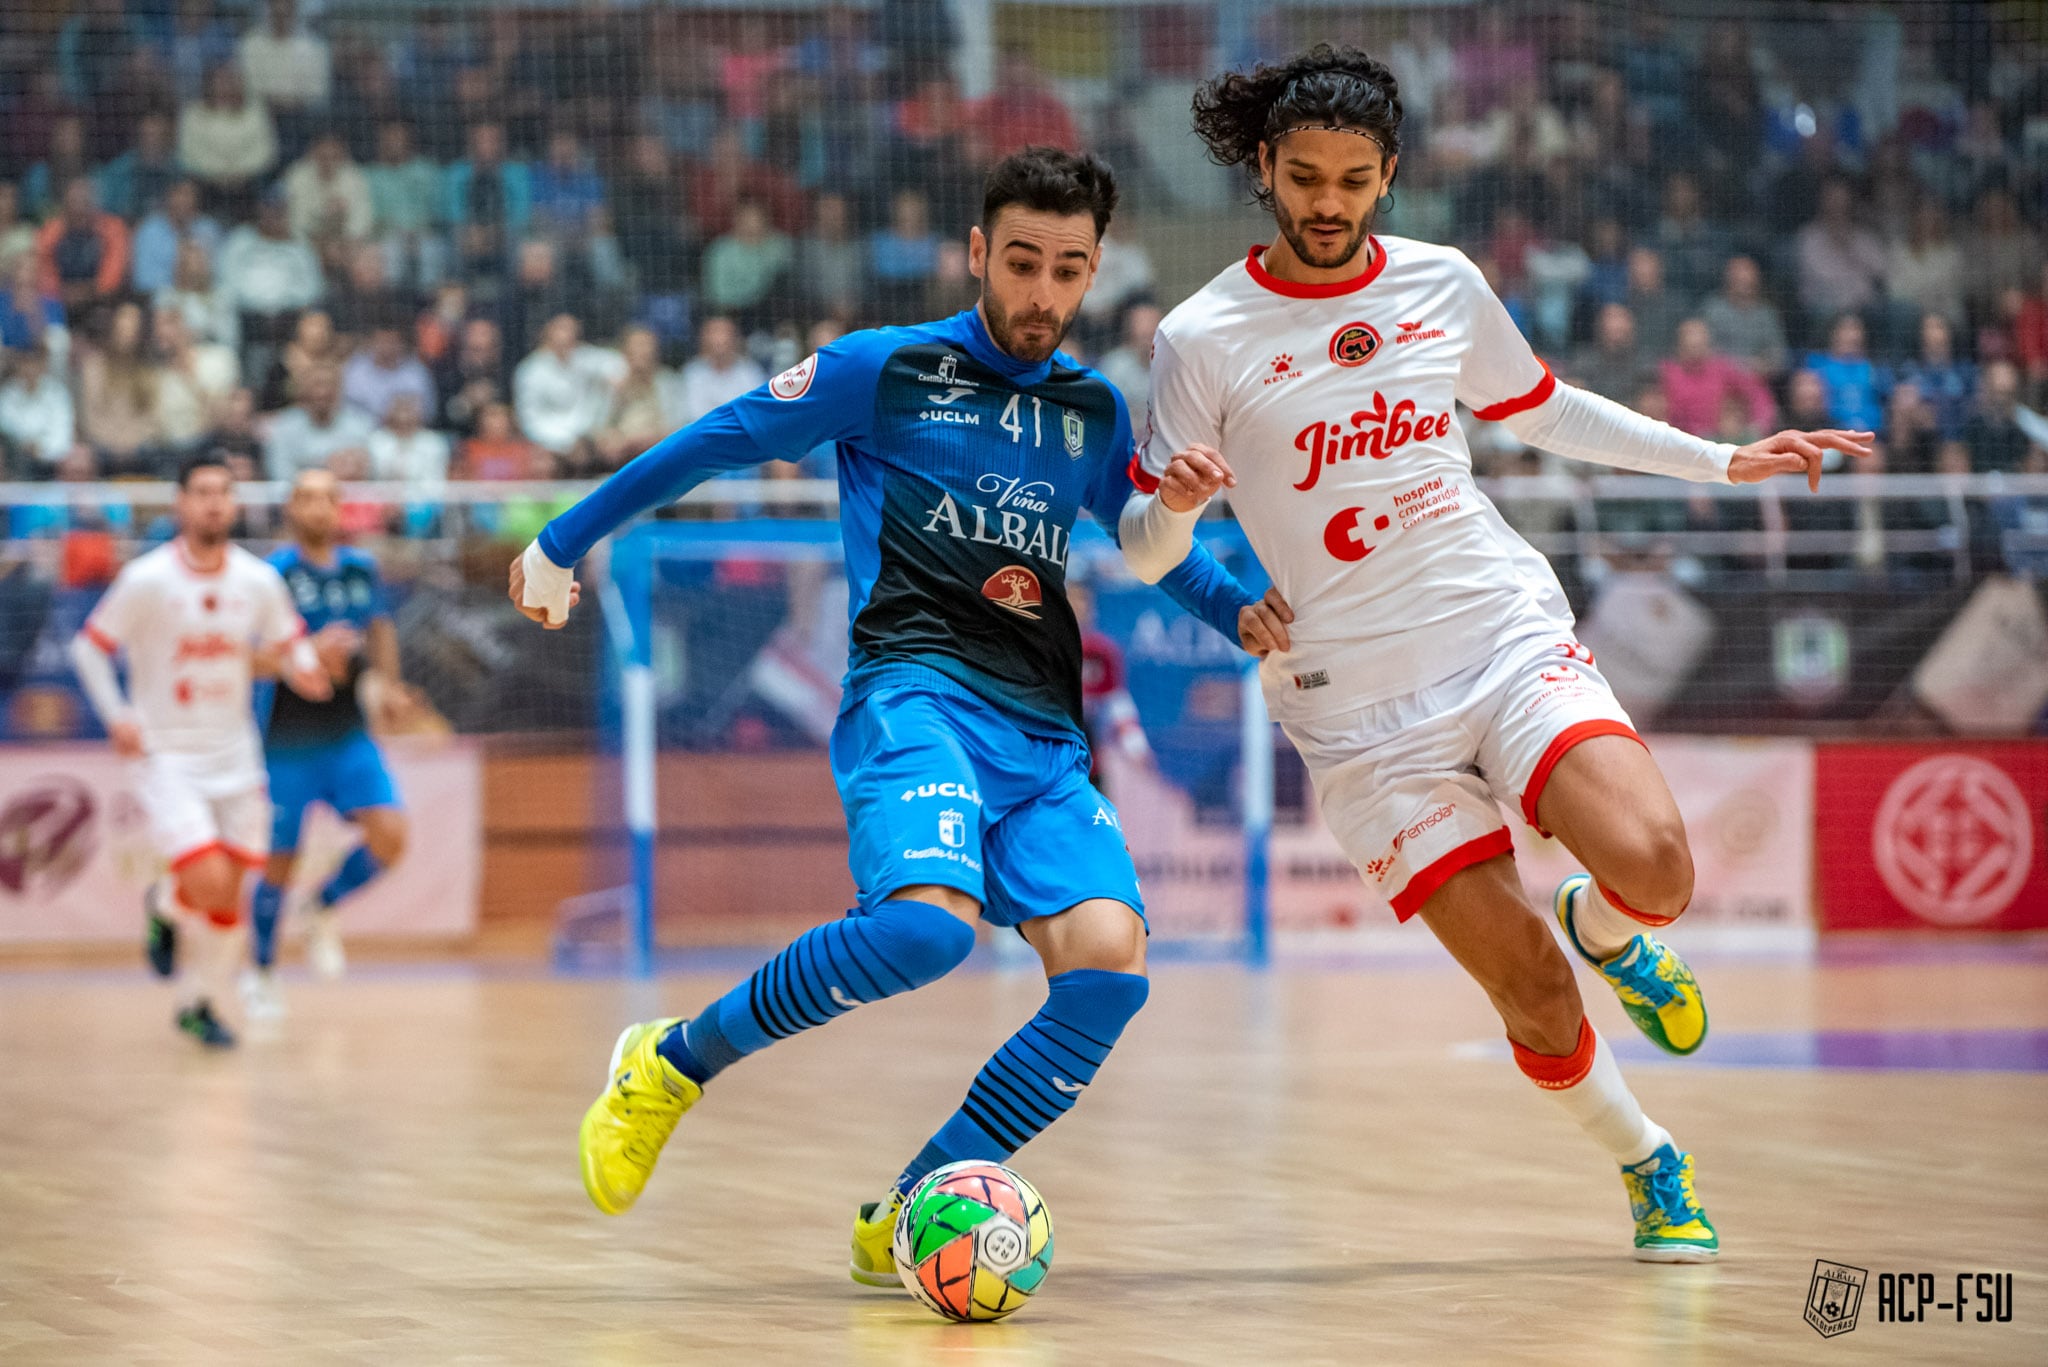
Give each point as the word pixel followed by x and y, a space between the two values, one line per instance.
pixel 189 616
pixel 1431 671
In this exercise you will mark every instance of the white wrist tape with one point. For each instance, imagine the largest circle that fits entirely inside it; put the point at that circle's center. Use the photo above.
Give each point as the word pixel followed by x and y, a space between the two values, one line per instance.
pixel 547 584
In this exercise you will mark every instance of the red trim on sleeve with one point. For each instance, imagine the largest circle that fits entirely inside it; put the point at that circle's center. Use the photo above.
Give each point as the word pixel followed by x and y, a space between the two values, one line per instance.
pixel 1143 480
pixel 1296 290
pixel 1553 752
pixel 1555 1072
pixel 1423 885
pixel 100 638
pixel 1507 408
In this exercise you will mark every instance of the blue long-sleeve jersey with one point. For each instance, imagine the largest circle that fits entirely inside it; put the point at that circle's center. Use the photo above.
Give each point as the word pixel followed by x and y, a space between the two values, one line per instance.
pixel 961 473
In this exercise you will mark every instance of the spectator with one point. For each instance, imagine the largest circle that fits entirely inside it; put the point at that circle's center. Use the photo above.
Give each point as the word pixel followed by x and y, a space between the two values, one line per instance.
pixel 2030 336
pixel 117 398
pixel 903 257
pixel 1694 248
pixel 1658 310
pixel 1614 365
pixel 1607 273
pixel 239 435
pixel 1128 365
pixel 651 220
pixel 197 43
pixel 195 381
pixel 379 374
pixel 745 267
pixel 1806 403
pixel 1020 111
pixel 1841 262
pixel 489 202
pixel 317 432
pixel 288 67
pixel 227 143
pixel 164 233
pixel 135 182
pixel 31 315
pixel 831 262
pixel 647 400
pixel 1912 434
pixel 1926 266
pixel 366 299
pixel 720 372
pixel 435 329
pixel 327 197
pixel 930 131
pixel 1856 387
pixel 1744 324
pixel 1944 381
pixel 474 376
pixel 1555 270
pixel 567 190
pixel 268 276
pixel 17 235
pixel 84 251
pixel 563 390
pixel 499 452
pixel 37 421
pixel 728 175
pixel 1737 424
pixel 314 345
pixel 953 287
pixel 2001 254
pixel 1696 381
pixel 405 208
pixel 404 452
pixel 1992 433
pixel 65 161
pixel 1123 276
pixel 210 312
pixel 538 293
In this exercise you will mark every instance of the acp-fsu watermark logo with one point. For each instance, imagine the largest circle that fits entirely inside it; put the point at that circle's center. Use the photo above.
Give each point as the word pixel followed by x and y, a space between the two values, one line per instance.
pixel 1834 1297
pixel 47 833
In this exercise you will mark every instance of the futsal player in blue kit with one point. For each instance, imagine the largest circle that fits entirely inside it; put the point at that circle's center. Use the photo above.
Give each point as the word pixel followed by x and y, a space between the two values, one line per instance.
pixel 323 752
pixel 966 449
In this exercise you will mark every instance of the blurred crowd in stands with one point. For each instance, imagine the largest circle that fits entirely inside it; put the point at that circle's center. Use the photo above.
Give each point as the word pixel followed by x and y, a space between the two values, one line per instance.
pixel 496 243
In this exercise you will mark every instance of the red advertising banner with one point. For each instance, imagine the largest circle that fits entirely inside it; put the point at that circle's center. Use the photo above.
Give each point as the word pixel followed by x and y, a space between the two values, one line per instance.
pixel 1952 835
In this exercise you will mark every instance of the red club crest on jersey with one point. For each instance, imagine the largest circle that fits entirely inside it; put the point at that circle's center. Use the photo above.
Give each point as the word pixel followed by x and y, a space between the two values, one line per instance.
pixel 1015 589
pixel 795 382
pixel 1354 344
pixel 210 603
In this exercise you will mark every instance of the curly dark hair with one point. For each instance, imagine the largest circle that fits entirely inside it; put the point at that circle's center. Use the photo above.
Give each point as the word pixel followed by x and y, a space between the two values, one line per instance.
pixel 1334 87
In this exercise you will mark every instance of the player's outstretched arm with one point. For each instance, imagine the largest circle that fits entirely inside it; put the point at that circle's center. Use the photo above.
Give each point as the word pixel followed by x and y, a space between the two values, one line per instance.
pixel 93 661
pixel 1794 453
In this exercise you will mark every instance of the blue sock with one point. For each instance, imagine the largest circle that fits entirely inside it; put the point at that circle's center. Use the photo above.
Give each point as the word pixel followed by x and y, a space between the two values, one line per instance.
pixel 359 868
pixel 265 904
pixel 825 972
pixel 1038 1075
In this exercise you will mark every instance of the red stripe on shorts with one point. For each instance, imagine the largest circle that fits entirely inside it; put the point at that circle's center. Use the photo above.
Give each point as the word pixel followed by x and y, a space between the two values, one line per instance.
pixel 1552 753
pixel 1423 885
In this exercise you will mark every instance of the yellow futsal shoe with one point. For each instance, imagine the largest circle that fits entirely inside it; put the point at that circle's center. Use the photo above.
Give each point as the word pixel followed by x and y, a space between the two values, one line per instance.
pixel 624 1129
pixel 1670 1225
pixel 874 1238
pixel 1657 990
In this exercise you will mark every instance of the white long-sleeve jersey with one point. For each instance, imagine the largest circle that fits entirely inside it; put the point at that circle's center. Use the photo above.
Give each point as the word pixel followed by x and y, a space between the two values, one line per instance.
pixel 189 635
pixel 1334 405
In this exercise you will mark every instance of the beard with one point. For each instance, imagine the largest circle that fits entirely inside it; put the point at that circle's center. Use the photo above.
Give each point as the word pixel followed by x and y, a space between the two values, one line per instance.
pixel 1295 230
pixel 1002 327
pixel 207 534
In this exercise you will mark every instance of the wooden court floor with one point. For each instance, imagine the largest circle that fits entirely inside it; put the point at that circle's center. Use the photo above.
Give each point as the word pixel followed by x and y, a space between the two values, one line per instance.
pixel 1326 1163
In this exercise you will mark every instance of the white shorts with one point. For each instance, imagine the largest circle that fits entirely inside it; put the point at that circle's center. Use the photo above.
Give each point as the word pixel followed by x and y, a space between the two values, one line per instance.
pixel 189 818
pixel 1412 787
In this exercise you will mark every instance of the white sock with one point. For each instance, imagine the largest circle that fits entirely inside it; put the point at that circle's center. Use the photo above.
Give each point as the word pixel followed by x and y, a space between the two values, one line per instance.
pixel 211 955
pixel 1597 1099
pixel 1603 930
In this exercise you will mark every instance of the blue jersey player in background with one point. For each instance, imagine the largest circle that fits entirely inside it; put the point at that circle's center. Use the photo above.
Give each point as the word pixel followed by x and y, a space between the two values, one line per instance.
pixel 966 450
pixel 322 752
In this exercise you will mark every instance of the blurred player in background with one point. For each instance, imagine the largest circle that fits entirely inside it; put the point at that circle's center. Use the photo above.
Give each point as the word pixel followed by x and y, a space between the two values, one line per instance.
pixel 1433 671
pixel 321 751
pixel 966 450
pixel 194 617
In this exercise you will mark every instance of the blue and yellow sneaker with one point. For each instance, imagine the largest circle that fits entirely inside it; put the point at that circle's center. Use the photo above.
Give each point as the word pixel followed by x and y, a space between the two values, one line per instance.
pixel 624 1129
pixel 1670 1225
pixel 1657 990
pixel 874 1235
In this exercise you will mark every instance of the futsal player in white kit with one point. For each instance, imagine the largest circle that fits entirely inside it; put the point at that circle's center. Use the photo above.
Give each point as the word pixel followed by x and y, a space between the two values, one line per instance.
pixel 1431 673
pixel 189 617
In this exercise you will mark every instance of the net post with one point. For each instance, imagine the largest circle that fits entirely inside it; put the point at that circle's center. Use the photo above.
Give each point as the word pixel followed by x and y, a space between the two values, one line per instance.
pixel 629 573
pixel 1256 777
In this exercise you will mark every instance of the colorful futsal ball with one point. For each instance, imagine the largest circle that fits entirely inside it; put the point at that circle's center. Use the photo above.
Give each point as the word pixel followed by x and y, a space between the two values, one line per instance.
pixel 973 1241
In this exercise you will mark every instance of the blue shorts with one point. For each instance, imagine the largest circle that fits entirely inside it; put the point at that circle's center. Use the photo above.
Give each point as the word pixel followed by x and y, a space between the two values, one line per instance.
pixel 947 790
pixel 348 775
